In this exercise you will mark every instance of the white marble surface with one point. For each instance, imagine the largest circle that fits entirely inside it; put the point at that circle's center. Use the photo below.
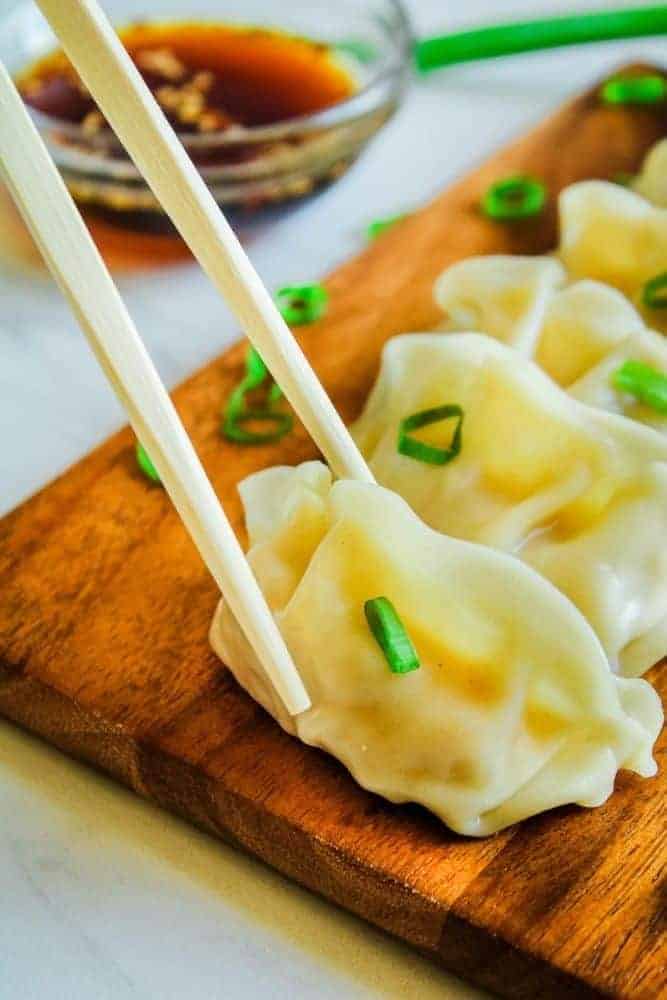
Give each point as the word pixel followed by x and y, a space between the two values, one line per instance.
pixel 102 895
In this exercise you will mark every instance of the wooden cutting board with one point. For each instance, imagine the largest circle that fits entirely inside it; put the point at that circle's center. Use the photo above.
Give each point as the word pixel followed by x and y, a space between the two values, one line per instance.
pixel 105 607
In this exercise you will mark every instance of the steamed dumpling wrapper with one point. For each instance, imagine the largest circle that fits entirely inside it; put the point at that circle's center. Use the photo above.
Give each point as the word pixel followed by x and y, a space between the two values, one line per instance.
pixel 501 295
pixel 578 333
pixel 651 182
pixel 615 236
pixel 612 234
pixel 513 710
pixel 596 386
pixel 612 241
pixel 579 494
pixel 583 324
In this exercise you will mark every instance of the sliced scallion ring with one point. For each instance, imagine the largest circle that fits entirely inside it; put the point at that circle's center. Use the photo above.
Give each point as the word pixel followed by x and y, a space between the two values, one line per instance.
pixel 514 198
pixel 429 453
pixel 654 293
pixel 645 383
pixel 255 374
pixel 234 428
pixel 237 414
pixel 380 226
pixel 256 370
pixel 145 464
pixel 391 635
pixel 648 89
pixel 300 304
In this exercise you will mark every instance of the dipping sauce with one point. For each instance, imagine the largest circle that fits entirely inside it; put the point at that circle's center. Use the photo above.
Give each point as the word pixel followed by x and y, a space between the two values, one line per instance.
pixel 212 80
pixel 206 77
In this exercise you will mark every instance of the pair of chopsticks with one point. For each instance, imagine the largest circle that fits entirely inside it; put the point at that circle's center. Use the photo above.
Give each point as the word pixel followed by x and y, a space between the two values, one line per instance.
pixel 42 198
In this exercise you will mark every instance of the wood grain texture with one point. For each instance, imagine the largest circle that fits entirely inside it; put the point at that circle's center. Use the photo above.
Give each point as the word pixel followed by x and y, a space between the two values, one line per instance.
pixel 105 608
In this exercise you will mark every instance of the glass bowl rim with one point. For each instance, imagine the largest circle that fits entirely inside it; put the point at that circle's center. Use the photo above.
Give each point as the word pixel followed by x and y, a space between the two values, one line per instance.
pixel 357 106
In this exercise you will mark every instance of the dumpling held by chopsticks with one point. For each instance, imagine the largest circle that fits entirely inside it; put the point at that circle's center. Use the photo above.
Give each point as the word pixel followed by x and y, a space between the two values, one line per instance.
pixel 487 698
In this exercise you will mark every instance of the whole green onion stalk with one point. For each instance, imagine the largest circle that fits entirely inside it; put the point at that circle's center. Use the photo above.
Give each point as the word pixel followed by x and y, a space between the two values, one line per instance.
pixel 546 33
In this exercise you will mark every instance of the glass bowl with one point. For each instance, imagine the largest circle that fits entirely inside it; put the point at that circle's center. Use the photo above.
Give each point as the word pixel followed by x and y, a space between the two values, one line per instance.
pixel 371 39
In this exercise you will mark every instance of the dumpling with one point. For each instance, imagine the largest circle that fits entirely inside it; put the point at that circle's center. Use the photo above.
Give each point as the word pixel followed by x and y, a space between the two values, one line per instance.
pixel 596 387
pixel 503 296
pixel 609 236
pixel 651 182
pixel 582 325
pixel 523 302
pixel 578 333
pixel 613 235
pixel 513 709
pixel 579 494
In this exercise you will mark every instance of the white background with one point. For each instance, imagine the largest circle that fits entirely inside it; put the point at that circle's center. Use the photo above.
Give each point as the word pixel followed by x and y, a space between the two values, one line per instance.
pixel 102 895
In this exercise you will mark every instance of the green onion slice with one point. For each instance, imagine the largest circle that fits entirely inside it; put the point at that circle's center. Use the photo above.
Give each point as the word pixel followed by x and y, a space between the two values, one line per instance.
pixel 145 464
pixel 649 89
pixel 301 304
pixel 654 293
pixel 255 374
pixel 391 636
pixel 647 384
pixel 623 178
pixel 514 198
pixel 234 429
pixel 275 393
pixel 380 226
pixel 237 414
pixel 429 453
pixel 256 370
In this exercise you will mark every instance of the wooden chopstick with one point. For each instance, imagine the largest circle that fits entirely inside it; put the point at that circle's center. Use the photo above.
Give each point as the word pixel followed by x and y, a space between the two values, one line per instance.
pixel 128 105
pixel 72 257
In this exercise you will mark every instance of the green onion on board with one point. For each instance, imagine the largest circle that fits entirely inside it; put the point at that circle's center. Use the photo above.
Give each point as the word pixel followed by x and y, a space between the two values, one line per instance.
pixel 380 226
pixel 145 464
pixel 648 89
pixel 237 414
pixel 514 198
pixel 301 304
pixel 234 430
pixel 256 370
